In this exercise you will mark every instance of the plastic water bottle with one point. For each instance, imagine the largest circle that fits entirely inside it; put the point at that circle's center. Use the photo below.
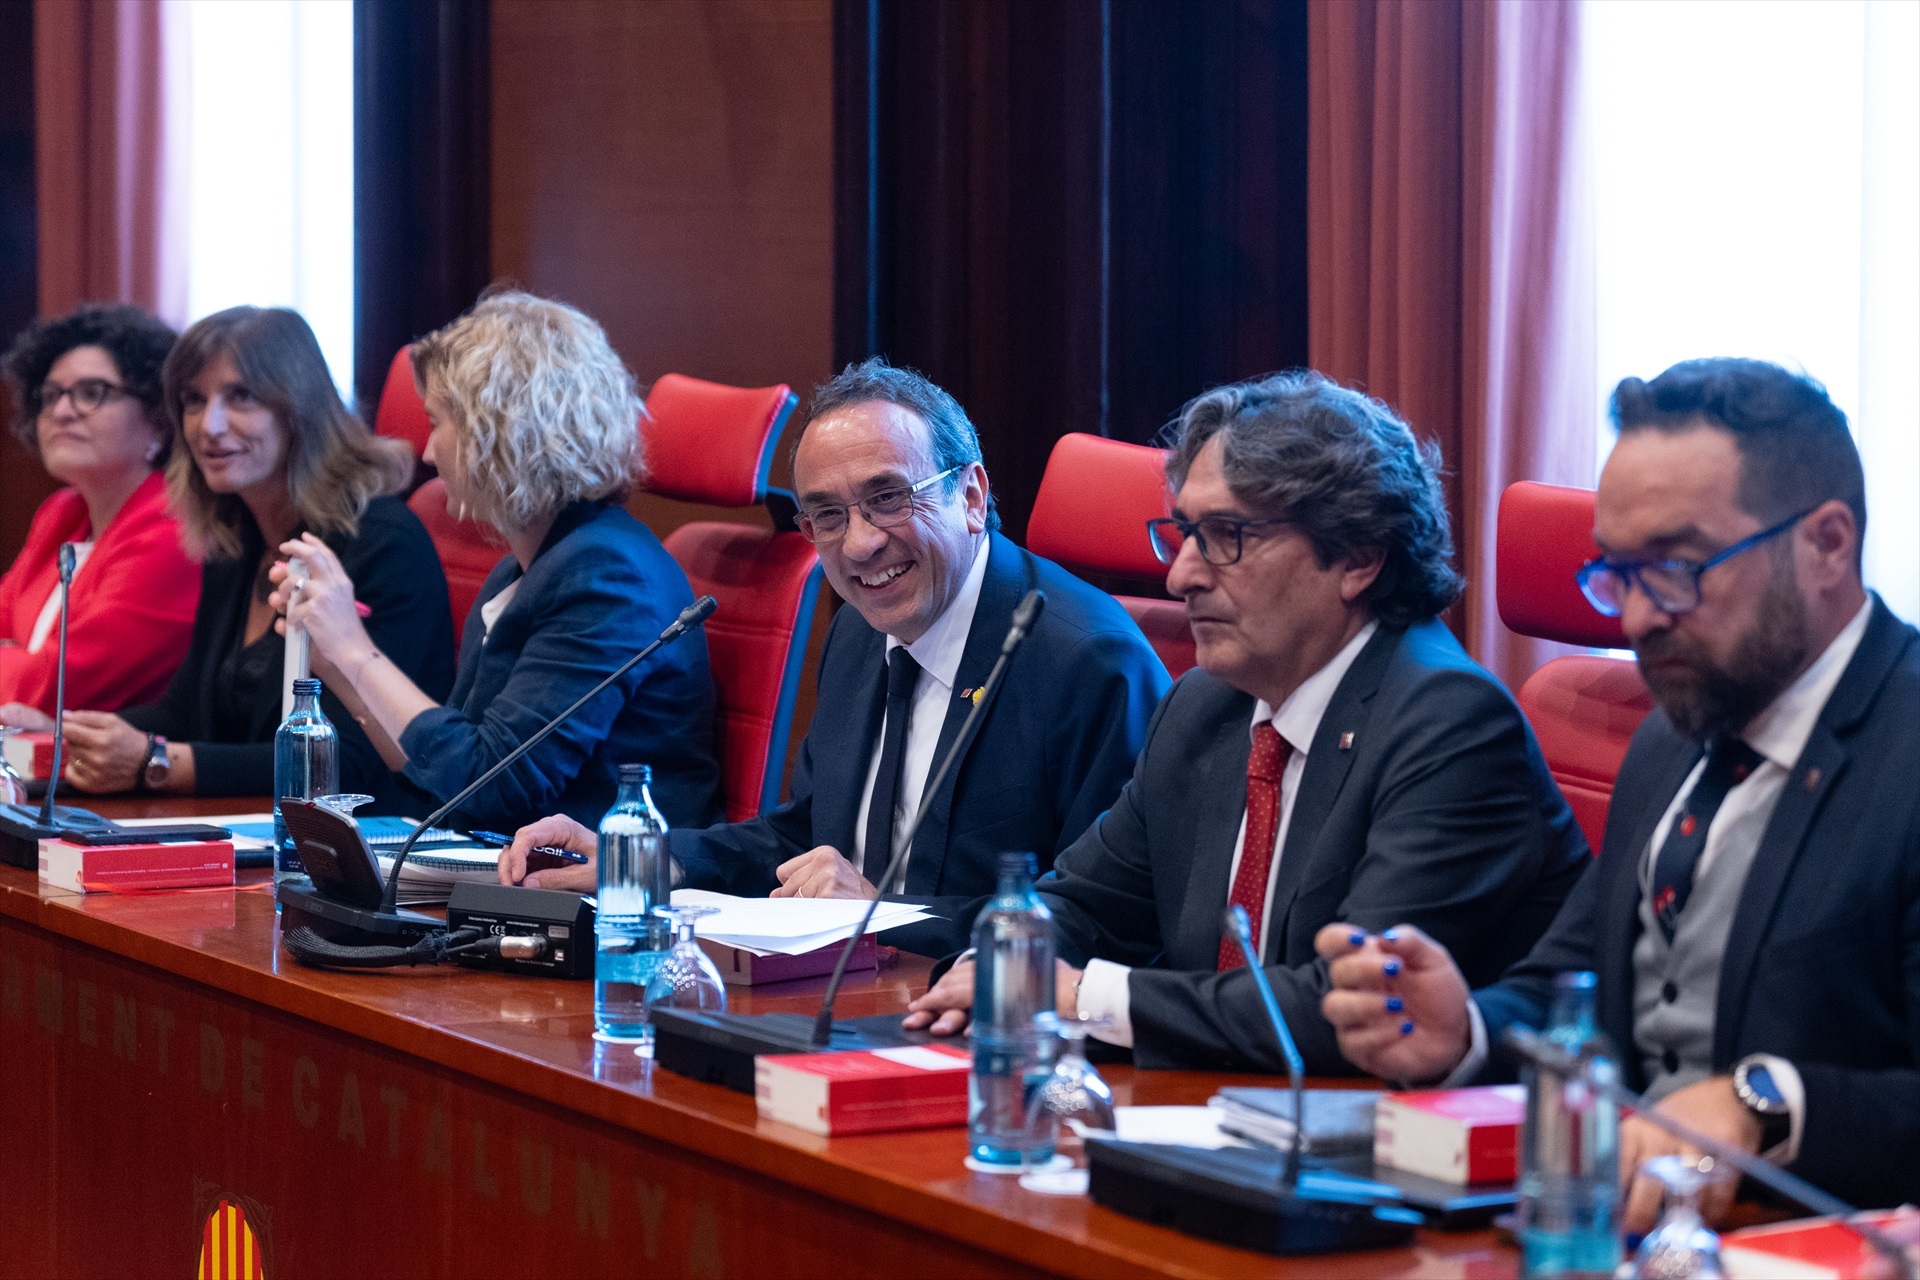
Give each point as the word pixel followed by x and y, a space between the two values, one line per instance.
pixel 636 875
pixel 1570 1149
pixel 1012 987
pixel 306 766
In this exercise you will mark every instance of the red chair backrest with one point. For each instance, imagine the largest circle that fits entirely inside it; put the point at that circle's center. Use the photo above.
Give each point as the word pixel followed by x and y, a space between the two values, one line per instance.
pixel 1584 708
pixel 468 549
pixel 402 415
pixel 714 444
pixel 1091 515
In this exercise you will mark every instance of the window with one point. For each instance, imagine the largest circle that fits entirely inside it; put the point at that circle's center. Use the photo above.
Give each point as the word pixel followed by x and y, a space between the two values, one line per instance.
pixel 270 164
pixel 1757 178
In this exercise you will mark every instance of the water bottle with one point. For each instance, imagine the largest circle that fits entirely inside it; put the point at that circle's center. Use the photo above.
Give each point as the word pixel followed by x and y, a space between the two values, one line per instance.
pixel 636 875
pixel 306 766
pixel 1013 1011
pixel 1570 1149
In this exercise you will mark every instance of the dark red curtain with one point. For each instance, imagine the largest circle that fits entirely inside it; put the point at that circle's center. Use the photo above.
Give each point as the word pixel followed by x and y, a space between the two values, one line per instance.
pixel 1449 253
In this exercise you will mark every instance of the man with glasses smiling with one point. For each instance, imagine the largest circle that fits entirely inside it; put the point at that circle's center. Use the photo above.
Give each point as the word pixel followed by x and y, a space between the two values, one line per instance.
pixel 1754 917
pixel 1336 755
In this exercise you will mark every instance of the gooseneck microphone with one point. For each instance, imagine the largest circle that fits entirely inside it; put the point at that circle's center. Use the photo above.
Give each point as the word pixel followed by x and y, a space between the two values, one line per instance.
pixel 1242 931
pixel 1530 1045
pixel 1025 614
pixel 68 559
pixel 690 617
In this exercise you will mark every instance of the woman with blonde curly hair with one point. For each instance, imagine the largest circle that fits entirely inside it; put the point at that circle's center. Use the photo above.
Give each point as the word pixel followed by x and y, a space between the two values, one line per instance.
pixel 535 432
pixel 271 454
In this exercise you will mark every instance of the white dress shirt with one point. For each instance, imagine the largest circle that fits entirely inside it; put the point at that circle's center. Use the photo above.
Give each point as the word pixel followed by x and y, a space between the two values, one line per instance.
pixel 1103 987
pixel 1779 733
pixel 938 652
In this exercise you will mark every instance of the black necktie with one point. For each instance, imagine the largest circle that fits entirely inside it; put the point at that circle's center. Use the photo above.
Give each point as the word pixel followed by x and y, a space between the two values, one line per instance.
pixel 902 673
pixel 1729 761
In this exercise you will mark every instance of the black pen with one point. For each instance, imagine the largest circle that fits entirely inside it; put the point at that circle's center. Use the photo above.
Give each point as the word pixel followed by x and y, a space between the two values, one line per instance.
pixel 499 841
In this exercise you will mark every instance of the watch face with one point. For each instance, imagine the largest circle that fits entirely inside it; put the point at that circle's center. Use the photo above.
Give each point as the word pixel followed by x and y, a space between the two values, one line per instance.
pixel 1760 1083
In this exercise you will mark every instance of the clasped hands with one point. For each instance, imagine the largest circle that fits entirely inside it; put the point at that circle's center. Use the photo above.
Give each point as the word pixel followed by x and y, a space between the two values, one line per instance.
pixel 818 873
pixel 1399 1006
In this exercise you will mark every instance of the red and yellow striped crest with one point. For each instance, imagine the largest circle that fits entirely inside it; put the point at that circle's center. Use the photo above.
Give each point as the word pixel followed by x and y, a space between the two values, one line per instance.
pixel 228 1249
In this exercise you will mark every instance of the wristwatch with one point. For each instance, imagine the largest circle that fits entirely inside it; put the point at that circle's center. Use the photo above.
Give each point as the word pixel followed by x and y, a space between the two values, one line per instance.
pixel 1759 1092
pixel 156 767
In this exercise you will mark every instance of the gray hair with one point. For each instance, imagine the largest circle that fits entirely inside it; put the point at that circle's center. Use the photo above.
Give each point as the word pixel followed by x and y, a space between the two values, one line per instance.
pixel 1344 469
pixel 955 443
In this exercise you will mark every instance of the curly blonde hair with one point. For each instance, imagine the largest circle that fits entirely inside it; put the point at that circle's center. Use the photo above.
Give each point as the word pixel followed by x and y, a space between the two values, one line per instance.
pixel 544 413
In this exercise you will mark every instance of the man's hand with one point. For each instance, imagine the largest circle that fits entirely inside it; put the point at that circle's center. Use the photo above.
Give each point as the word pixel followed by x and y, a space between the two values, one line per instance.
pixel 1398 1002
pixel 1710 1107
pixel 948 1005
pixel 103 752
pixel 820 873
pixel 18 715
pixel 560 832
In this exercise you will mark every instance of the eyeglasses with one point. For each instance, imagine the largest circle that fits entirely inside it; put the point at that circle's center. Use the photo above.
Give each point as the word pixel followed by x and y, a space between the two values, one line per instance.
pixel 887 509
pixel 88 394
pixel 1221 538
pixel 1672 585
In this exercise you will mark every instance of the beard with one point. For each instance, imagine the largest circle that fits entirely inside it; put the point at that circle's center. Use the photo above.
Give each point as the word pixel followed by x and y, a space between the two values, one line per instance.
pixel 1703 697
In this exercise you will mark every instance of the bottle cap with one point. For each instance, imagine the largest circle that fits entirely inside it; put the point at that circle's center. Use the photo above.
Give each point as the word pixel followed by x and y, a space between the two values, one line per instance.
pixel 1575 980
pixel 1019 864
pixel 632 773
pixel 306 684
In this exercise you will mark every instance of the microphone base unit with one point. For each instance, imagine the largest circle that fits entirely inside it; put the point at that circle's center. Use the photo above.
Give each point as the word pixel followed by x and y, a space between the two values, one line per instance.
pixel 553 929
pixel 345 924
pixel 21 831
pixel 1240 1196
pixel 719 1048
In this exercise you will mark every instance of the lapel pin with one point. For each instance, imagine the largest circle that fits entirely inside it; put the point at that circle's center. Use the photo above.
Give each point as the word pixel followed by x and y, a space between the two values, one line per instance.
pixel 1346 740
pixel 973 695
pixel 1812 780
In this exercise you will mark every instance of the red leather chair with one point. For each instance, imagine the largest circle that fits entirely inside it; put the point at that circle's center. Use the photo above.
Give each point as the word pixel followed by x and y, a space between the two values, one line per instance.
pixel 468 549
pixel 714 444
pixel 401 414
pixel 1091 514
pixel 1583 707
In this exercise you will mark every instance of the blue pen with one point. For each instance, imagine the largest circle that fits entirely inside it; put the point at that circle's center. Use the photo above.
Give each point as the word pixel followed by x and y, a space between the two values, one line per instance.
pixel 500 841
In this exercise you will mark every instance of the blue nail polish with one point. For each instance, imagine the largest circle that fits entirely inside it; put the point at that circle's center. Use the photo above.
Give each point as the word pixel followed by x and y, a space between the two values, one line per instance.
pixel 1392 968
pixel 1358 938
pixel 1395 1004
pixel 1391 935
pixel 1406 1028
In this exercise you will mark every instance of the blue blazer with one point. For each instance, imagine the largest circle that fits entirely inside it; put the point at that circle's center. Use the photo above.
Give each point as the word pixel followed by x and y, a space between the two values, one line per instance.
pixel 1823 964
pixel 1051 750
pixel 600 589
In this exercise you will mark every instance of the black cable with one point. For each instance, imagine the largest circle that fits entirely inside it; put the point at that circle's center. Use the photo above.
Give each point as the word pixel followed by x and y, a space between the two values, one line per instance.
pixel 309 947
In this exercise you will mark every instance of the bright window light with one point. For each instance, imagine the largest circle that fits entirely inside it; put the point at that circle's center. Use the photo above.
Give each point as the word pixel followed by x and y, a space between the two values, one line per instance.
pixel 270 200
pixel 1757 170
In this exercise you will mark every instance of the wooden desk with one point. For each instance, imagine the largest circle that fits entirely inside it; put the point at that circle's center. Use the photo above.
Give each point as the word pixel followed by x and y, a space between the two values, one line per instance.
pixel 162 1054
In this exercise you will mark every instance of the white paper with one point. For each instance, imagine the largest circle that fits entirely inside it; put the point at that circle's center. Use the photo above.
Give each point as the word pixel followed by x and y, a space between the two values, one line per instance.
pixel 1179 1126
pixel 789 926
pixel 926 1059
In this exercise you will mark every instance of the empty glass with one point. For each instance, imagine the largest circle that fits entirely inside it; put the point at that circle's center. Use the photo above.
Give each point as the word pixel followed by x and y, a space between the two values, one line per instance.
pixel 1681 1247
pixel 343 803
pixel 12 789
pixel 686 978
pixel 1065 1106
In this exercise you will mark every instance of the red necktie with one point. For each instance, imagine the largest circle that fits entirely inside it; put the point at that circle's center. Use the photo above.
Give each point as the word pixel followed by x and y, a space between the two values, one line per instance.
pixel 1265 763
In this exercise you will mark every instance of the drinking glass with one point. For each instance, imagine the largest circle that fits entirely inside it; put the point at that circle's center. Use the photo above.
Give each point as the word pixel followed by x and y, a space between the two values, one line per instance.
pixel 685 978
pixel 12 789
pixel 343 803
pixel 1681 1247
pixel 1066 1106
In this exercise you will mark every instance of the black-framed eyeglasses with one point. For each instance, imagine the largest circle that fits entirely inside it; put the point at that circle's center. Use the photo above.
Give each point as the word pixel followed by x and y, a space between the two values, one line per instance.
pixel 1672 585
pixel 88 394
pixel 1221 538
pixel 887 509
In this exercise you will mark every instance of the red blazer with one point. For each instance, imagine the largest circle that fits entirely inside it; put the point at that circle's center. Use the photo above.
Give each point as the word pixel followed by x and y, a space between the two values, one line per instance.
pixel 132 608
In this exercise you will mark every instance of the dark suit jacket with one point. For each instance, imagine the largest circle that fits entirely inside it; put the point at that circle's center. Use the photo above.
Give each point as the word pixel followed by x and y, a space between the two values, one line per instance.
pixel 1823 964
pixel 224 699
pixel 1442 814
pixel 600 589
pixel 1051 750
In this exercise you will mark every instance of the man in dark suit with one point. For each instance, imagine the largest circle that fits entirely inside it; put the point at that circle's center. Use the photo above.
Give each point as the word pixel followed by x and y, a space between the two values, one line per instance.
pixel 1754 916
pixel 1336 756
pixel 893 493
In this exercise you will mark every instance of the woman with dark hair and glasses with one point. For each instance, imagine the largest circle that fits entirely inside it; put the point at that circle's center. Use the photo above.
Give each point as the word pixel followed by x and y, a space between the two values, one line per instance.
pixel 270 453
pixel 87 387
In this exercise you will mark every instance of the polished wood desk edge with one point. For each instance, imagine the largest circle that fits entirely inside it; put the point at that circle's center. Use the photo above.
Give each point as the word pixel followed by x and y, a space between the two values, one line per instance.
pixel 805 1161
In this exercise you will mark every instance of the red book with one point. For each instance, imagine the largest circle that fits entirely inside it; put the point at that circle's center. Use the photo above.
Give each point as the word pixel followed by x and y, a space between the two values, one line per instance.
pixel 1456 1135
pixel 186 864
pixel 1809 1249
pixel 915 1087
pixel 31 755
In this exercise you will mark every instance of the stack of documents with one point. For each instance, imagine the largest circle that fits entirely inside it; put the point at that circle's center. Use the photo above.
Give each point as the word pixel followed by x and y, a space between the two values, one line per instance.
pixel 789 926
pixel 428 878
pixel 1339 1121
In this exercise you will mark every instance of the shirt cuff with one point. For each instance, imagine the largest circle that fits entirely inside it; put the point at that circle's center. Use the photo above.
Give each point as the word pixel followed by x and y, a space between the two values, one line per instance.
pixel 1103 994
pixel 1476 1059
pixel 1794 1090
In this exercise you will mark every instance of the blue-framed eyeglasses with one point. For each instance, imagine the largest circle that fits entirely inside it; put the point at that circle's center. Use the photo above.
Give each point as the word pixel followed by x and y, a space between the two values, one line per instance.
pixel 1221 538
pixel 1672 585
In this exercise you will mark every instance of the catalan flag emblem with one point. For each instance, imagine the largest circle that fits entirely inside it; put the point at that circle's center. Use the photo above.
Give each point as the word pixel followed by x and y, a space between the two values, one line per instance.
pixel 228 1248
